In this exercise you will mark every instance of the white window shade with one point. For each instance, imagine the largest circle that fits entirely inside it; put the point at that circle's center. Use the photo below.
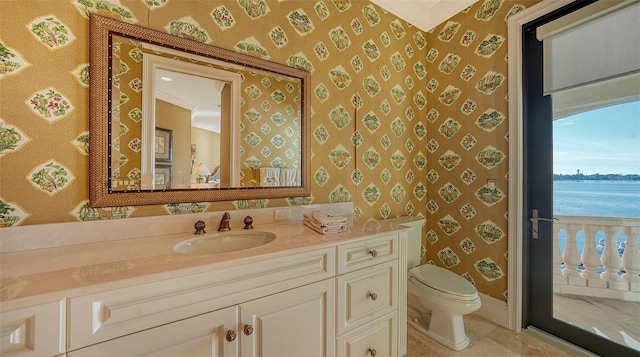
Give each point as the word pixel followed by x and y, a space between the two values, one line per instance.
pixel 592 44
pixel 597 95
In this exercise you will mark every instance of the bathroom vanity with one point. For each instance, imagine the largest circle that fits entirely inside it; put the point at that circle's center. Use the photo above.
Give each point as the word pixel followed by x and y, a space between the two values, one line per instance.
pixel 304 294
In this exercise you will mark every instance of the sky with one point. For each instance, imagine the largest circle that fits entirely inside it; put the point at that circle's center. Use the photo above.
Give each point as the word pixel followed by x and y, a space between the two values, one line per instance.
pixel 603 141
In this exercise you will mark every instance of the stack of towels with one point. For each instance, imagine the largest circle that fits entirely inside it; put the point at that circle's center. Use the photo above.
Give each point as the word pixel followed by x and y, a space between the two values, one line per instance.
pixel 325 222
pixel 288 176
pixel 269 176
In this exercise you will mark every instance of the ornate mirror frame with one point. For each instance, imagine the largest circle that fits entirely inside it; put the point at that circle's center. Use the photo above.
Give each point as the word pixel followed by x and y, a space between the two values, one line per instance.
pixel 100 193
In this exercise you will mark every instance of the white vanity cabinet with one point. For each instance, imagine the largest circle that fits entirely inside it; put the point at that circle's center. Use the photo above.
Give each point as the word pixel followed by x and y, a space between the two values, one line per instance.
pixel 272 305
pixel 368 297
pixel 335 299
pixel 33 331
pixel 296 322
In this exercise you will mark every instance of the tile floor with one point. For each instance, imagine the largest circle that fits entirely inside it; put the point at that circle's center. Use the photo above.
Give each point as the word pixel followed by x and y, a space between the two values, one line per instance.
pixel 614 319
pixel 487 339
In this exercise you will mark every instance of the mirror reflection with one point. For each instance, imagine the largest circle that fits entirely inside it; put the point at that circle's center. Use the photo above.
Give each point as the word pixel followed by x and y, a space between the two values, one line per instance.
pixel 190 132
pixel 173 120
pixel 190 105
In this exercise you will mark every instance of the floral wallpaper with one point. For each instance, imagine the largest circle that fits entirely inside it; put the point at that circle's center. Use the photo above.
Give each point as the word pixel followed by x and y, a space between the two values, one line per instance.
pixel 270 128
pixel 403 122
pixel 467 144
pixel 126 116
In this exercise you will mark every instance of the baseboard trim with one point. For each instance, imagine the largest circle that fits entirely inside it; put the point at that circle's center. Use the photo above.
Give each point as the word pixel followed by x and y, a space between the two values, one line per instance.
pixel 494 310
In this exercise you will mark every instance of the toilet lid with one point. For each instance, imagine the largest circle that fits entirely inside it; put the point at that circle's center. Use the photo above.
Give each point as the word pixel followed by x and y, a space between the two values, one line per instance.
pixel 443 280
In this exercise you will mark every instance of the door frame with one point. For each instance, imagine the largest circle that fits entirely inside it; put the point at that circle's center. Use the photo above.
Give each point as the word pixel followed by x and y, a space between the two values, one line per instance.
pixel 518 218
pixel 515 192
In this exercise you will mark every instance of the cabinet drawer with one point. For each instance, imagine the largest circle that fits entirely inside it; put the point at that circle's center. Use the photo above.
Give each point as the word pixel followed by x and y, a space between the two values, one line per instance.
pixel 203 335
pixel 377 338
pixel 367 294
pixel 362 254
pixel 33 331
pixel 98 317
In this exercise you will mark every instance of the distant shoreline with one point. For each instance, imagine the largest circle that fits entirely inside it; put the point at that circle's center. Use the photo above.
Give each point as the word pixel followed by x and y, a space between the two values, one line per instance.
pixel 596 177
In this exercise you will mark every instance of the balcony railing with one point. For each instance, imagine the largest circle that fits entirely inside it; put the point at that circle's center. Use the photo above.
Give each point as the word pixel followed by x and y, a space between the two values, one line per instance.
pixel 597 256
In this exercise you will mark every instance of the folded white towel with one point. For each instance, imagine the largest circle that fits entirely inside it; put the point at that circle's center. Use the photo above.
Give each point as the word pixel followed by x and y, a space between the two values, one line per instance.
pixel 310 221
pixel 324 230
pixel 269 176
pixel 288 176
pixel 327 218
pixel 326 223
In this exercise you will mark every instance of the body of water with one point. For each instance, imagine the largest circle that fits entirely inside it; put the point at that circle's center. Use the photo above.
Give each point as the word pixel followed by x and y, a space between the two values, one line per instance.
pixel 596 198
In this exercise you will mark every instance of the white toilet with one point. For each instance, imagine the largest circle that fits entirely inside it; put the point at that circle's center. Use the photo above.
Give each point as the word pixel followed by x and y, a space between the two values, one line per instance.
pixel 437 298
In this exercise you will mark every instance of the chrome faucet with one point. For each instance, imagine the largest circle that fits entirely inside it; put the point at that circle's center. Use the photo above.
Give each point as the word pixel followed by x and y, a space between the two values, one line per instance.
pixel 224 222
pixel 199 226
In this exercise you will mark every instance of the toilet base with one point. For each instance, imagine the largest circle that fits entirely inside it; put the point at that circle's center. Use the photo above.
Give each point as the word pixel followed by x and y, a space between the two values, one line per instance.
pixel 442 328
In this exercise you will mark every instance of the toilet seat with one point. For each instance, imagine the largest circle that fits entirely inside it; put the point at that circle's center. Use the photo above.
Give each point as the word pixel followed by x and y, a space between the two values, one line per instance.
pixel 442 280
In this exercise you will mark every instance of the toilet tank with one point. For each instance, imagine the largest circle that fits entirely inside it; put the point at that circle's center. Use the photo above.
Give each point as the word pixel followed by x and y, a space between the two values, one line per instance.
pixel 415 237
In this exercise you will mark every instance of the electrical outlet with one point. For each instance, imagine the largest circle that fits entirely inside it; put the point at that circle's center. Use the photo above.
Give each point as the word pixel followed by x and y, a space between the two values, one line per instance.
pixel 282 214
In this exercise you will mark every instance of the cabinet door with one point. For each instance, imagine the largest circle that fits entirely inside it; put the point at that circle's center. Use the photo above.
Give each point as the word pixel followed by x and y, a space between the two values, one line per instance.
pixel 203 335
pixel 297 322
pixel 377 338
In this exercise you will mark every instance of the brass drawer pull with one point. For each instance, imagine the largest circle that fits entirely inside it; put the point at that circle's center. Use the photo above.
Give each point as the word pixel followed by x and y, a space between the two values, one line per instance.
pixel 248 330
pixel 373 352
pixel 373 296
pixel 374 253
pixel 231 335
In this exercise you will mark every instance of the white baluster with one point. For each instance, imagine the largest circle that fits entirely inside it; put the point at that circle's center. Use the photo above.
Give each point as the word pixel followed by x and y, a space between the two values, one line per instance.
pixel 558 278
pixel 631 258
pixel 571 257
pixel 611 260
pixel 590 259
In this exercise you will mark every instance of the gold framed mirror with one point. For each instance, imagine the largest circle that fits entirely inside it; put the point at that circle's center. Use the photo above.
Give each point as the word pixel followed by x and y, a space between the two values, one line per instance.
pixel 173 120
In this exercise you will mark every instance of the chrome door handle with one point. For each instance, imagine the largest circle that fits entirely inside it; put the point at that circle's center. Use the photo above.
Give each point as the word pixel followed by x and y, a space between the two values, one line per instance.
pixel 534 220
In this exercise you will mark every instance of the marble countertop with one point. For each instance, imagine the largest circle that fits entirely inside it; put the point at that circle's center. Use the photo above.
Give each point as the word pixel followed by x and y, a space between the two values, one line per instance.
pixel 39 275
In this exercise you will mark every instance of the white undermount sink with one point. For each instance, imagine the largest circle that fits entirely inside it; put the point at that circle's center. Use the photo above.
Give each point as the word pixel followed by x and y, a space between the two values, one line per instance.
pixel 223 242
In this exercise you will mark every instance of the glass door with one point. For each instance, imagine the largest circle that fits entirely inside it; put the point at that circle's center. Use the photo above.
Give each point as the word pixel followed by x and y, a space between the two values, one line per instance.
pixel 596 204
pixel 581 203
